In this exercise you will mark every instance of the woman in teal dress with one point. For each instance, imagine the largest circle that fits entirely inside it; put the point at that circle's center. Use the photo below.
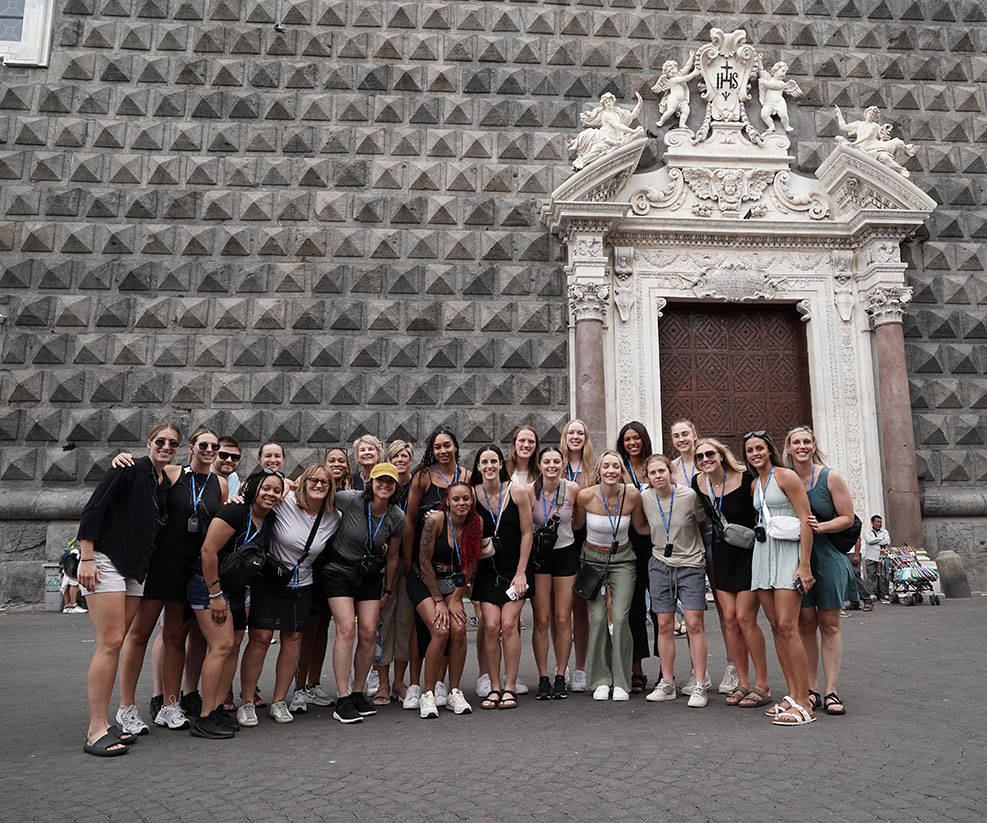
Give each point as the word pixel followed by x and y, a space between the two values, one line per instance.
pixel 832 511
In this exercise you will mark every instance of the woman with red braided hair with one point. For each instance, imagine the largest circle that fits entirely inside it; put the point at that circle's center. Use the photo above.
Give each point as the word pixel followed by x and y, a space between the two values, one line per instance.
pixel 449 555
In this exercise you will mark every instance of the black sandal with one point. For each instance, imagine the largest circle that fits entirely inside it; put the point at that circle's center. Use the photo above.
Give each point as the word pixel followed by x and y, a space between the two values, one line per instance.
pixel 815 700
pixel 833 699
pixel 508 700
pixel 493 698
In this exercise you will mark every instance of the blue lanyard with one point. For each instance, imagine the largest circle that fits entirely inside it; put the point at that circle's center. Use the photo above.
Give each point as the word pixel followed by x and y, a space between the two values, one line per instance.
pixel 614 523
pixel 545 509
pixel 667 524
pixel 692 473
pixel 812 479
pixel 360 480
pixel 761 489
pixel 455 541
pixel 500 495
pixel 371 531
pixel 455 475
pixel 572 475
pixel 630 468
pixel 196 497
pixel 248 536
pixel 717 501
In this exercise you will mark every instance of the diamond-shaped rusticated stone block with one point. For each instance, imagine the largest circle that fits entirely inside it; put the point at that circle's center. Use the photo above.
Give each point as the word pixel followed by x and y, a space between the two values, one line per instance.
pixel 250 351
pixel 130 349
pixel 211 351
pixel 230 388
pixel 247 426
pixel 42 425
pixel 18 463
pixel 150 388
pixel 84 426
pixel 289 426
pixel 66 387
pixel 10 424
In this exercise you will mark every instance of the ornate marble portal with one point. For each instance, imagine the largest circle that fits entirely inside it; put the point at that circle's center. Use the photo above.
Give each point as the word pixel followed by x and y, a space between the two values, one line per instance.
pixel 724 219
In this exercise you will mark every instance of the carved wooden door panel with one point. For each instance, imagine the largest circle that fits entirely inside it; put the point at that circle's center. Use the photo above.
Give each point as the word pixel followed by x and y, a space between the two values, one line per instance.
pixel 732 369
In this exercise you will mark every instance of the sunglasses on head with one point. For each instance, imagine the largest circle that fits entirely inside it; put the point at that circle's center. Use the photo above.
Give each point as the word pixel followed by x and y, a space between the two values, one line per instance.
pixel 710 455
pixel 161 441
pixel 758 433
pixel 207 447
pixel 229 456
pixel 275 472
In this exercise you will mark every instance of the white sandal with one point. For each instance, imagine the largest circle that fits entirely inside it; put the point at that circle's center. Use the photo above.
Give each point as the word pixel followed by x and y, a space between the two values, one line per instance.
pixel 777 708
pixel 797 716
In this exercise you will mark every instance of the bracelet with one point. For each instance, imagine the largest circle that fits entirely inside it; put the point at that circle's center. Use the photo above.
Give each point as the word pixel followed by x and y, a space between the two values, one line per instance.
pixel 214 596
pixel 214 582
pixel 87 559
pixel 387 591
pixel 438 599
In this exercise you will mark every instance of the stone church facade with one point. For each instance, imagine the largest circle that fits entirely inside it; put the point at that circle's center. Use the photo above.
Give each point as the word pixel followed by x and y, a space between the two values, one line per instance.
pixel 308 220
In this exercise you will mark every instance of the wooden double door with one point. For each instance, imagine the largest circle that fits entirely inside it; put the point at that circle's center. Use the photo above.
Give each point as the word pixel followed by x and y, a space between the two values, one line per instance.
pixel 733 369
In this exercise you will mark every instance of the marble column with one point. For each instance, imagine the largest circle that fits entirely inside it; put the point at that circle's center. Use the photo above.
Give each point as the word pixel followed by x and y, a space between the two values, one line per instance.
pixel 904 515
pixel 589 307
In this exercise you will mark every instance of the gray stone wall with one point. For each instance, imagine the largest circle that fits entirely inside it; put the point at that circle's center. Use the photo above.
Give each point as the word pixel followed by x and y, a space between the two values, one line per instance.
pixel 307 220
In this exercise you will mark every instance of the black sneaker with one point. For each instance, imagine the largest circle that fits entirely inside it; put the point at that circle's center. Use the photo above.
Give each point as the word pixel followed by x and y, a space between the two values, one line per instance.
pixel 224 720
pixel 346 712
pixel 560 691
pixel 191 703
pixel 156 704
pixel 544 689
pixel 209 729
pixel 363 706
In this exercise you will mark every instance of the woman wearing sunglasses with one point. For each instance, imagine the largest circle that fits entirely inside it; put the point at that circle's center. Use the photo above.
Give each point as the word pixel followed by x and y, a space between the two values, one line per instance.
pixel 724 487
pixel 117 529
pixel 358 577
pixel 195 495
pixel 780 568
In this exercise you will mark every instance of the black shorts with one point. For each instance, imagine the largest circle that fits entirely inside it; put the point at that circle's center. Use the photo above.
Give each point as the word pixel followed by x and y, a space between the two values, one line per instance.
pixel 278 607
pixel 562 562
pixel 337 581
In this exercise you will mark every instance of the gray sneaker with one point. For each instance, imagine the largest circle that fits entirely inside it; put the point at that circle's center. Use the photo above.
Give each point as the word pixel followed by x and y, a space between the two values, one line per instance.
pixel 730 680
pixel 172 717
pixel 246 715
pixel 279 712
pixel 663 691
pixel 687 688
pixel 698 699
pixel 129 719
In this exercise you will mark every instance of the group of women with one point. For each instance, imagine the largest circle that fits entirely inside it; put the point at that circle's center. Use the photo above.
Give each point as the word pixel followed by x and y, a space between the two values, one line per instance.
pixel 393 554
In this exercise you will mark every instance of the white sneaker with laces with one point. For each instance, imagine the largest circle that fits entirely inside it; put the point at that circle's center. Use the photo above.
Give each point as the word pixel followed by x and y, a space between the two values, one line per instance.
pixel 299 702
pixel 246 715
pixel 372 685
pixel 279 712
pixel 578 681
pixel 663 691
pixel 426 706
pixel 730 680
pixel 441 693
pixel 457 703
pixel 601 693
pixel 317 696
pixel 412 697
pixel 698 697
pixel 483 685
pixel 619 694
pixel 130 720
pixel 171 716
pixel 691 682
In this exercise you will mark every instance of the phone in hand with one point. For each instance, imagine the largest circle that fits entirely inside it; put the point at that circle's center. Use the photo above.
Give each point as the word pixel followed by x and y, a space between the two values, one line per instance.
pixel 799 586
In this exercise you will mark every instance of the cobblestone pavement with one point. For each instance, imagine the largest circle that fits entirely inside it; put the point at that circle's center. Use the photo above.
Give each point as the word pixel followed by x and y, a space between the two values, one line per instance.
pixel 912 747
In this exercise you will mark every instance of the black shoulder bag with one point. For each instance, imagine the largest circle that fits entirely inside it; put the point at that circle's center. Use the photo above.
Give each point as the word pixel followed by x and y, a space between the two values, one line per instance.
pixel 242 565
pixel 279 573
pixel 589 581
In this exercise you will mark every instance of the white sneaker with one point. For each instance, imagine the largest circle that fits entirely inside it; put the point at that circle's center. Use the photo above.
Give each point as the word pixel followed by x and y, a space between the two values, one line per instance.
pixel 412 697
pixel 568 676
pixel 441 693
pixel 578 681
pixel 426 706
pixel 620 695
pixel 691 682
pixel 77 610
pixel 601 693
pixel 317 696
pixel 730 680
pixel 279 712
pixel 246 715
pixel 130 721
pixel 483 685
pixel 372 686
pixel 663 691
pixel 698 697
pixel 457 703
pixel 171 716
pixel 520 687
pixel 299 702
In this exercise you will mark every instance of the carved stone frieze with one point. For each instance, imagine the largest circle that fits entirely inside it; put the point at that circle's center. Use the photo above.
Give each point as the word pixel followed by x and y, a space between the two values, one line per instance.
pixel 811 202
pixel 691 261
pixel 886 304
pixel 669 197
pixel 843 295
pixel 588 301
pixel 856 195
pixel 729 188
pixel 587 248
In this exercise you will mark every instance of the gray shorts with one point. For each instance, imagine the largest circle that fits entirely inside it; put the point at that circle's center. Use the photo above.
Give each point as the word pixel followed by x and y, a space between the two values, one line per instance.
pixel 672 583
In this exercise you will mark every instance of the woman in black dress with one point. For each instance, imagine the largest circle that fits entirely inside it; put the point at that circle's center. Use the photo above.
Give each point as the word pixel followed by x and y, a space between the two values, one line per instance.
pixel 724 487
pixel 503 581
pixel 195 496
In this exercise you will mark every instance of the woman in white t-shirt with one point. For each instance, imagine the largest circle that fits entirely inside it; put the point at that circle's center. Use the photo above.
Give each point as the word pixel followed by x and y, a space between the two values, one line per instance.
pixel 305 520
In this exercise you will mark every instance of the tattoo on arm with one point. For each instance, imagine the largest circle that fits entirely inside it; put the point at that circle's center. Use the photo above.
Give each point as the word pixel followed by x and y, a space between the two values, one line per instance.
pixel 425 556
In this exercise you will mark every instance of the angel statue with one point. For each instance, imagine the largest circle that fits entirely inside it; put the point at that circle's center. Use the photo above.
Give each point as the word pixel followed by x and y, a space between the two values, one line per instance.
pixel 608 127
pixel 674 85
pixel 771 90
pixel 875 139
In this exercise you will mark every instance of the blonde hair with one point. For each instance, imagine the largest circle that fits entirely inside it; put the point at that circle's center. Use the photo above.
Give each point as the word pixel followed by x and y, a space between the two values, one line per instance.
pixel 399 446
pixel 730 460
pixel 373 441
pixel 652 458
pixel 301 490
pixel 817 456
pixel 585 479
pixel 599 463
pixel 157 428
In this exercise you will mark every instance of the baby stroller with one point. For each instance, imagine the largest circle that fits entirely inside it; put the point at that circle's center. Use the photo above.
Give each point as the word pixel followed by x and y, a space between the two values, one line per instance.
pixel 907 577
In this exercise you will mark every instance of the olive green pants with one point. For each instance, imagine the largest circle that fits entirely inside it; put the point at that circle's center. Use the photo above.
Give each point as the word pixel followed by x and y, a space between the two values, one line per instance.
pixel 609 658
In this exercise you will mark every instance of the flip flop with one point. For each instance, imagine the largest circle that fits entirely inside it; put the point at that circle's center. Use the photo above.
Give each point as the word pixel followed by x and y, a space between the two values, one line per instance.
pixel 126 738
pixel 493 699
pixel 101 748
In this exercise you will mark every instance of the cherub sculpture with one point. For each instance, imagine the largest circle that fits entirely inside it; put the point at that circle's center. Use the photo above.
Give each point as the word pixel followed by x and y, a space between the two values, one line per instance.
pixel 771 90
pixel 874 138
pixel 674 85
pixel 608 127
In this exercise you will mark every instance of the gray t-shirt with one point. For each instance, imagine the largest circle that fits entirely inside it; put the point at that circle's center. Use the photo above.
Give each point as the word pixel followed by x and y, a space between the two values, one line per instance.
pixel 291 530
pixel 354 533
pixel 683 533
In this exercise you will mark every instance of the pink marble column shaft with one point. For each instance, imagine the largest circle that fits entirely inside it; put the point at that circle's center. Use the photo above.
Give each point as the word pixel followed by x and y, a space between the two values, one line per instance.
pixel 591 399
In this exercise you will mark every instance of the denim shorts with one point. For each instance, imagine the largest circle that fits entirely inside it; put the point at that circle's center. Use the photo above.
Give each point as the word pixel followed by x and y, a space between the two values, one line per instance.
pixel 198 598
pixel 671 583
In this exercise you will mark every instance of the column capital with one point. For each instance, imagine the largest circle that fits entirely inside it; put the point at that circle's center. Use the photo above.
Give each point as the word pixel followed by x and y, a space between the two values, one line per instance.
pixel 886 304
pixel 588 301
